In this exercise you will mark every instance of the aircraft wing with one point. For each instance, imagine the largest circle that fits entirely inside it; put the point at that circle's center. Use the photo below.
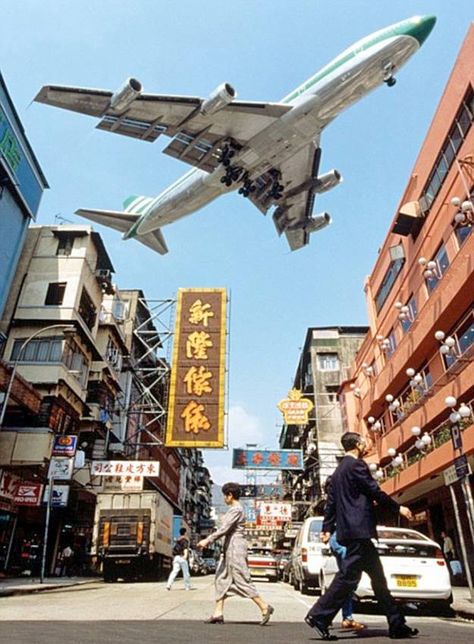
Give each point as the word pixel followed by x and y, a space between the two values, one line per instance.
pixel 195 136
pixel 296 204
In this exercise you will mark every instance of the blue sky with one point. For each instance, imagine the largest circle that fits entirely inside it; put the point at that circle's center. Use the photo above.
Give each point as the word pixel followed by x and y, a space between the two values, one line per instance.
pixel 264 48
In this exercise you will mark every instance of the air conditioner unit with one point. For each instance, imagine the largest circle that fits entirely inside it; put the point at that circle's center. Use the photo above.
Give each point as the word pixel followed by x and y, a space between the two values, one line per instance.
pixel 103 273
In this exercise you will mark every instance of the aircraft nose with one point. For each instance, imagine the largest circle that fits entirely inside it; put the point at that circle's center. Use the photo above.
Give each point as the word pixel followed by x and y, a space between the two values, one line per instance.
pixel 421 27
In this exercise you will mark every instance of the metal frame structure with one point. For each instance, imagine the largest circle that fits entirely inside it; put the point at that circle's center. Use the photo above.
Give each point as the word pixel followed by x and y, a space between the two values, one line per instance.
pixel 146 378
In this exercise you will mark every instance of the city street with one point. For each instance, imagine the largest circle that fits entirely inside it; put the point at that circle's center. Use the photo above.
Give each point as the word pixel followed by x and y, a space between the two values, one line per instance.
pixel 145 613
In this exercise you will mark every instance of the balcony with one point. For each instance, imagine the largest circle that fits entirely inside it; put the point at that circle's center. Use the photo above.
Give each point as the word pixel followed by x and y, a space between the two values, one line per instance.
pixel 25 446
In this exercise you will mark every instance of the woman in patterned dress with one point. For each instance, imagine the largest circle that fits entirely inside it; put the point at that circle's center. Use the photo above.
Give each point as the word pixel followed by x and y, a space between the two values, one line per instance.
pixel 232 574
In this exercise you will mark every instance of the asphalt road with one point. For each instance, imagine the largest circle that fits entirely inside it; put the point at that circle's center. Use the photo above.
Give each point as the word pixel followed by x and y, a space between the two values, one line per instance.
pixel 146 613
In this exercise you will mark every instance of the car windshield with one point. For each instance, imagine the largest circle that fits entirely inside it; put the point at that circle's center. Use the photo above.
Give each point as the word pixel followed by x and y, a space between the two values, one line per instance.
pixel 314 530
pixel 264 552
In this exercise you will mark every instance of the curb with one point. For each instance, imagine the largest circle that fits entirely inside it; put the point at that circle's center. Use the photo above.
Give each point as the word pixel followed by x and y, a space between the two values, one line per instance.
pixel 25 590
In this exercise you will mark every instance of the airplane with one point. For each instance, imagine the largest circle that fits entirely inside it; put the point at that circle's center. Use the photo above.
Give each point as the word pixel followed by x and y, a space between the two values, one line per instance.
pixel 269 152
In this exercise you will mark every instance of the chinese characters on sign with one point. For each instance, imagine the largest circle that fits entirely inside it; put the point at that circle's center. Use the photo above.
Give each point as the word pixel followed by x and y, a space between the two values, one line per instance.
pixel 125 468
pixel 266 459
pixel 295 408
pixel 196 400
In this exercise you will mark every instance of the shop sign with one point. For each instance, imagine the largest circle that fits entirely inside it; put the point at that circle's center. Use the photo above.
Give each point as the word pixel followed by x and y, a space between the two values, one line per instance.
pixel 8 485
pixel 28 494
pixel 60 468
pixel 266 459
pixel 125 468
pixel 13 157
pixel 126 483
pixel 457 471
pixel 278 511
pixel 64 446
pixel 197 385
pixel 295 408
pixel 60 495
pixel 250 491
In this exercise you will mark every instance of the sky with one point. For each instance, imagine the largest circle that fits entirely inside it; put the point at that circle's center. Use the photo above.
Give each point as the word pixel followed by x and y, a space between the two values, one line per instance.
pixel 264 48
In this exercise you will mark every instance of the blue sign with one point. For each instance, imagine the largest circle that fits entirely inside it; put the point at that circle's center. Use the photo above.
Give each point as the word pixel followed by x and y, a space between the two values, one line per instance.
pixel 248 491
pixel 266 459
pixel 64 445
pixel 18 165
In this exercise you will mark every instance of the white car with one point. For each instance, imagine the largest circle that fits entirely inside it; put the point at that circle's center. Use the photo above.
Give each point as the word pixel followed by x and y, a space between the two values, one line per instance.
pixel 414 567
pixel 307 558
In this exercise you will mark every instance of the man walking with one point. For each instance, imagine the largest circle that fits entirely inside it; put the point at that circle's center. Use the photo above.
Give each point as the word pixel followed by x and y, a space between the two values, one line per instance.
pixel 180 560
pixel 350 507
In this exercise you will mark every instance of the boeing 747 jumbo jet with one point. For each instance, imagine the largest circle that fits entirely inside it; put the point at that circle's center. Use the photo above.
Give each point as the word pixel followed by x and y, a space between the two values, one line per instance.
pixel 269 152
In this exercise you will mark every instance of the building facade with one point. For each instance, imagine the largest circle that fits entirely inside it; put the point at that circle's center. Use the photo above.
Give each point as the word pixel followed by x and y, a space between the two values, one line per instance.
pixel 412 385
pixel 21 186
pixel 324 363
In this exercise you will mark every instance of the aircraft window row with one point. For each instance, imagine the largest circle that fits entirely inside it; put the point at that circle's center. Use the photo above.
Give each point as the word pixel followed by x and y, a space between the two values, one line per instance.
pixel 458 132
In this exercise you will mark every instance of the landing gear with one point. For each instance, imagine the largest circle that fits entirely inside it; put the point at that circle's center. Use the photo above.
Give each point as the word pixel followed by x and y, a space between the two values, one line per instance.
pixel 248 186
pixel 276 190
pixel 232 174
pixel 227 152
pixel 388 77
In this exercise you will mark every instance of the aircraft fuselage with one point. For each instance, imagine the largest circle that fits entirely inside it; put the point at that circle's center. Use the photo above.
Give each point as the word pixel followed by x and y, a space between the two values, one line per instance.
pixel 354 73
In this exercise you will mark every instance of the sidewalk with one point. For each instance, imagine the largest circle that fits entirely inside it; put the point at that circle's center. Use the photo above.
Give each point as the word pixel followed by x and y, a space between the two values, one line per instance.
pixel 462 605
pixel 27 585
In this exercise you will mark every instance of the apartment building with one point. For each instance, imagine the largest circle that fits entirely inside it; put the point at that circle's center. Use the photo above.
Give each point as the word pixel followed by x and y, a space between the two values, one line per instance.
pixel 412 384
pixel 324 363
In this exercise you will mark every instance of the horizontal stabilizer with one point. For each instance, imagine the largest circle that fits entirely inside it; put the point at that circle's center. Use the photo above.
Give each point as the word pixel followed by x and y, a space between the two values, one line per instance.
pixel 154 240
pixel 113 219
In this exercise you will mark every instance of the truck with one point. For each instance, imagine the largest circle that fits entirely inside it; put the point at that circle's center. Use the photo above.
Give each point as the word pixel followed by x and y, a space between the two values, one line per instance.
pixel 132 536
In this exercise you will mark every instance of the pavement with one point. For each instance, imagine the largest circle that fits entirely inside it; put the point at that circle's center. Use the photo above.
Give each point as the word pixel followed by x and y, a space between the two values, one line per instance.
pixel 124 612
pixel 28 585
pixel 462 604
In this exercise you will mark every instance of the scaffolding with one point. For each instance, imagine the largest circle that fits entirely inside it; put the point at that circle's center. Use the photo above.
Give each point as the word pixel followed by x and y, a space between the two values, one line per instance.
pixel 150 366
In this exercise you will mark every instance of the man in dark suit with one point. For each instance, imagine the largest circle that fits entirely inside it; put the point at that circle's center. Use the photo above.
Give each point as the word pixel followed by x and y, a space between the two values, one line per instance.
pixel 350 508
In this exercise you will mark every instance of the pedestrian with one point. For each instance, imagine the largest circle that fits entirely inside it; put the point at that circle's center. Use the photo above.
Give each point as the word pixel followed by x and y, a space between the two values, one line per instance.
pixel 66 561
pixel 350 507
pixel 340 552
pixel 180 561
pixel 232 573
pixel 448 547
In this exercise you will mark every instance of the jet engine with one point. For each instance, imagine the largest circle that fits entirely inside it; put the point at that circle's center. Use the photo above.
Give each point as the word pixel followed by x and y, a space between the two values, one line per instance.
pixel 124 97
pixel 327 181
pixel 318 222
pixel 219 98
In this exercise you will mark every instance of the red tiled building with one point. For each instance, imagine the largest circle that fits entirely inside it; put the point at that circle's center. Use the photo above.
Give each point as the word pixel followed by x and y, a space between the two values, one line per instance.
pixel 421 285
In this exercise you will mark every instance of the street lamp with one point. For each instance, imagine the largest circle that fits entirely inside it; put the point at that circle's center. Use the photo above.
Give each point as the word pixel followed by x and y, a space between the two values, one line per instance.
pixel 66 327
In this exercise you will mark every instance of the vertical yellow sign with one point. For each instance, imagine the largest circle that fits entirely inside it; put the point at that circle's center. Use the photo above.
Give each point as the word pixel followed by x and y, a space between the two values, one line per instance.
pixel 197 387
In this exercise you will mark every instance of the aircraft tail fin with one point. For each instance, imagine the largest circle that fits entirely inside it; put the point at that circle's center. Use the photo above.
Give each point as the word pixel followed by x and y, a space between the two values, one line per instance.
pixel 123 221
pixel 137 205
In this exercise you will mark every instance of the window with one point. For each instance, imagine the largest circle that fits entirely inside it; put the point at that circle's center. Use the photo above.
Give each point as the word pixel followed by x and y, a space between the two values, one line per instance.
pixel 331 392
pixel 87 309
pixel 464 336
pixel 76 361
pixel 459 129
pixel 113 355
pixel 442 262
pixel 55 294
pixel 328 361
pixel 392 343
pixel 388 282
pixel 40 350
pixel 408 320
pixel 65 244
pixel 462 232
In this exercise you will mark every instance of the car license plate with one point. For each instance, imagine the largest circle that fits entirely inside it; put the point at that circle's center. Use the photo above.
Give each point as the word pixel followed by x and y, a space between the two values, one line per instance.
pixel 257 572
pixel 123 561
pixel 406 581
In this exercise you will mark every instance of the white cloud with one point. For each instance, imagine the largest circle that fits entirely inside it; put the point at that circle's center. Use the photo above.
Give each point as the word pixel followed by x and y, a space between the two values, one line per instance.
pixel 242 428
